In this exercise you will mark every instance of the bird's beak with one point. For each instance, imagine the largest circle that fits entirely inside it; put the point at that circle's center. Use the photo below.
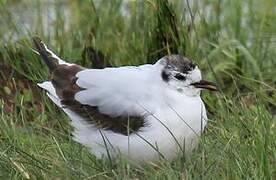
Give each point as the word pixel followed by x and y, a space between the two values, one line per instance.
pixel 203 84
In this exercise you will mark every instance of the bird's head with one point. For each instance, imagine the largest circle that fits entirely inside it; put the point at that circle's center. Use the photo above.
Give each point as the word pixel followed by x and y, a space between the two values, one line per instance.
pixel 183 75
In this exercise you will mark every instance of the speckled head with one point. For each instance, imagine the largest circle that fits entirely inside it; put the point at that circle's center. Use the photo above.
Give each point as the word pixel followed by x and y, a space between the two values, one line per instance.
pixel 182 74
pixel 179 63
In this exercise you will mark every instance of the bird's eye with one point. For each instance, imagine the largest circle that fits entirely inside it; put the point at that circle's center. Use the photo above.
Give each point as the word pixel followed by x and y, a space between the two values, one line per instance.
pixel 180 77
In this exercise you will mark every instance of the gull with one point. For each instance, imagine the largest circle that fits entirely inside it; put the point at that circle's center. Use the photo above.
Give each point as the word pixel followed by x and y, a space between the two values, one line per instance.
pixel 144 112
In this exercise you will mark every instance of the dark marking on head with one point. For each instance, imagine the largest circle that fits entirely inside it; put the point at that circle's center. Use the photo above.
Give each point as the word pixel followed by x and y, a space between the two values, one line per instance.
pixel 179 63
pixel 165 76
pixel 180 77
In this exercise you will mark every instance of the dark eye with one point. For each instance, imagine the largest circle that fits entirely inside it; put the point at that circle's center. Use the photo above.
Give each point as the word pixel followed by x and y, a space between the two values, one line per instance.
pixel 180 77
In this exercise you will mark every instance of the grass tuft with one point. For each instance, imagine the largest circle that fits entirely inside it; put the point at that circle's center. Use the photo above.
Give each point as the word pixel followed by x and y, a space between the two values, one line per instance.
pixel 232 41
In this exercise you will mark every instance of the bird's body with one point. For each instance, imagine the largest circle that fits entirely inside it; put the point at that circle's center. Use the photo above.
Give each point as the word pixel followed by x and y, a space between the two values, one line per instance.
pixel 136 111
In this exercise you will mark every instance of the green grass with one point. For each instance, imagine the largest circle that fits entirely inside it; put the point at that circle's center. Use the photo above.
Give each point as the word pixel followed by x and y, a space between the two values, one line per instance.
pixel 232 41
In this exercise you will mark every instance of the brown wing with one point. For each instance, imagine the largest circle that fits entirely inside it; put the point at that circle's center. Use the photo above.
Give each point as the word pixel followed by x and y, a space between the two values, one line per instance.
pixel 63 78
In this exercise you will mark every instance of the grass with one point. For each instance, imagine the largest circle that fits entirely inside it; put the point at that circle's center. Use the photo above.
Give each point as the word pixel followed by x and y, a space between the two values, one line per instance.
pixel 232 41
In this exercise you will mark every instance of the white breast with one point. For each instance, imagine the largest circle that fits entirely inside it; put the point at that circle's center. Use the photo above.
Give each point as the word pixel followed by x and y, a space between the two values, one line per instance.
pixel 178 120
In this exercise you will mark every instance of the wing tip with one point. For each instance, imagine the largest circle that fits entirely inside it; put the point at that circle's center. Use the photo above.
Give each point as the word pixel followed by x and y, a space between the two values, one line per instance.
pixel 45 53
pixel 36 39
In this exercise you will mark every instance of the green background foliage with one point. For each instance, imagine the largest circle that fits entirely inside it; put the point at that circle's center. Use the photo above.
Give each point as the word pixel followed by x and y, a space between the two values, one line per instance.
pixel 233 42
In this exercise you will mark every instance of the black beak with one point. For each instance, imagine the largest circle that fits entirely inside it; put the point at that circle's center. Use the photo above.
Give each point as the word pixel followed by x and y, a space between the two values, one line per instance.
pixel 203 84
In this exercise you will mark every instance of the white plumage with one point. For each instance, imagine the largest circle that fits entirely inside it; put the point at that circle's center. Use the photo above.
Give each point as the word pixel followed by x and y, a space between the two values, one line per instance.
pixel 174 114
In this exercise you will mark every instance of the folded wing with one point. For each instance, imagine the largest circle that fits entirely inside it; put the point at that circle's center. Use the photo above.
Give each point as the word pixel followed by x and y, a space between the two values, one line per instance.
pixel 115 91
pixel 110 98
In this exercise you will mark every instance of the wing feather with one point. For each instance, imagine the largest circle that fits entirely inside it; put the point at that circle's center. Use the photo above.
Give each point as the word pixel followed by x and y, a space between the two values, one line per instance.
pixel 117 91
pixel 109 98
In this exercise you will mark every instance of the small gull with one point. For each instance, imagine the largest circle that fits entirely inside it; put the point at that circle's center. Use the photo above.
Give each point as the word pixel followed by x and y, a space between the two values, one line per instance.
pixel 142 112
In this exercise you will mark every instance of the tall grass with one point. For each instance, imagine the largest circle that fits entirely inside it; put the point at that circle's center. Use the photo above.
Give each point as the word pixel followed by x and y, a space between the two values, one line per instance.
pixel 232 41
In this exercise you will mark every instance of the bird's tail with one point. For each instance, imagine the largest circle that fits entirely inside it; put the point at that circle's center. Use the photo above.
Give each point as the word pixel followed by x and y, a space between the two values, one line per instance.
pixel 50 59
